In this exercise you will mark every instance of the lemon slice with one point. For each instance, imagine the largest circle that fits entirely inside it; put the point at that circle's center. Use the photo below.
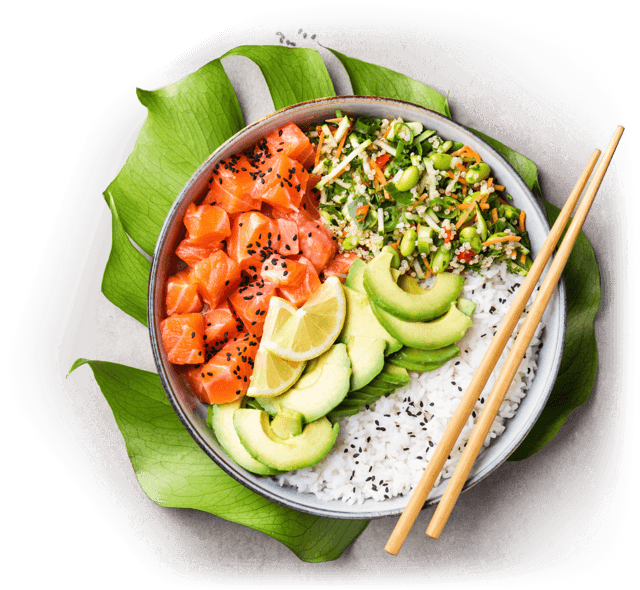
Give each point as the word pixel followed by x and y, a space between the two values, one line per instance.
pixel 313 328
pixel 273 375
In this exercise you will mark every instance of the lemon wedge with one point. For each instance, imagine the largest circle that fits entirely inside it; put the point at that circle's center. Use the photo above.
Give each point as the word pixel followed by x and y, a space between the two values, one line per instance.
pixel 313 328
pixel 273 375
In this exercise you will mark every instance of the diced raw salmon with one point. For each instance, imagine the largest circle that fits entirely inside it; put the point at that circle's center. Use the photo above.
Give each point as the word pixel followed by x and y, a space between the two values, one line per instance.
pixel 340 266
pixel 282 184
pixel 220 326
pixel 282 271
pixel 251 302
pixel 290 141
pixel 307 286
pixel 182 294
pixel 253 237
pixel 317 243
pixel 288 231
pixel 216 276
pixel 233 180
pixel 206 223
pixel 183 338
pixel 193 253
pixel 225 377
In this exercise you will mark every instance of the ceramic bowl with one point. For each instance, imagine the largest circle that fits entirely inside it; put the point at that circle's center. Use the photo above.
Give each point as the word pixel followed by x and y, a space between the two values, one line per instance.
pixel 192 413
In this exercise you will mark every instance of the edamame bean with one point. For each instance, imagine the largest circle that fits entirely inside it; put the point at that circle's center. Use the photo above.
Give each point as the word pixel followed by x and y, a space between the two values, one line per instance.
pixel 440 161
pixel 350 242
pixel 408 179
pixel 469 235
pixel 457 145
pixel 425 239
pixel 477 173
pixel 408 243
pixel 441 259
pixel 509 212
pixel 446 146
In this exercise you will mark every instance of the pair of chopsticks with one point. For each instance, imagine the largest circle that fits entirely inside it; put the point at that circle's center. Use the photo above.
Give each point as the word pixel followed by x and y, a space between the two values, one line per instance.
pixel 507 327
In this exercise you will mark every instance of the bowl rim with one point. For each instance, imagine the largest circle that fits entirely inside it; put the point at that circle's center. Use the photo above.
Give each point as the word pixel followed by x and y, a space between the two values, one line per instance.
pixel 231 468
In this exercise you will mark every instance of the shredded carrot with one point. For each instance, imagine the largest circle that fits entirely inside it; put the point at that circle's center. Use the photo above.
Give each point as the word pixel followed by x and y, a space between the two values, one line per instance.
pixel 387 131
pixel 337 120
pixel 490 182
pixel 426 276
pixel 498 187
pixel 379 174
pixel 460 167
pixel 523 258
pixel 502 201
pixel 376 184
pixel 361 212
pixel 320 141
pixel 465 206
pixel 450 174
pixel 521 220
pixel 464 189
pixel 480 197
pixel 484 206
pixel 494 215
pixel 502 239
pixel 466 150
pixel 341 145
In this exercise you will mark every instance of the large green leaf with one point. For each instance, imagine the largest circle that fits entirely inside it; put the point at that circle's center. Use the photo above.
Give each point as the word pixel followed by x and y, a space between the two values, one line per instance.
pixel 126 275
pixel 292 75
pixel 371 80
pixel 580 356
pixel 186 121
pixel 173 471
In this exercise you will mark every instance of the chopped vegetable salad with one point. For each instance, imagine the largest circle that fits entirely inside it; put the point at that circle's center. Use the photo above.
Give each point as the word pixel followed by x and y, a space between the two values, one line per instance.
pixel 391 184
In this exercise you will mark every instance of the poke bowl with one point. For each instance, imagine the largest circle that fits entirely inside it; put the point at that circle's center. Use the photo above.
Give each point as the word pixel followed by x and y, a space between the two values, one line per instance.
pixel 305 495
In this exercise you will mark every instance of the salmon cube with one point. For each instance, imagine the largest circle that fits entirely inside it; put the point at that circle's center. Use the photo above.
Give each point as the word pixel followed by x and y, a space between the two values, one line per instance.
pixel 233 180
pixel 340 266
pixel 251 302
pixel 220 326
pixel 317 243
pixel 226 376
pixel 290 141
pixel 183 338
pixel 253 238
pixel 182 294
pixel 193 253
pixel 288 232
pixel 299 293
pixel 216 277
pixel 206 223
pixel 283 183
pixel 282 271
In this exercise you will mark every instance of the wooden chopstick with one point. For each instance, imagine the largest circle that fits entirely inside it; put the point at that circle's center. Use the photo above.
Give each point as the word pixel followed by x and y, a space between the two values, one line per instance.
pixel 468 401
pixel 520 346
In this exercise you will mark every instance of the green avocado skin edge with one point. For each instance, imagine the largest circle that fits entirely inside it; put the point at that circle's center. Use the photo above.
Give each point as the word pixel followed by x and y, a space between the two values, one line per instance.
pixel 430 304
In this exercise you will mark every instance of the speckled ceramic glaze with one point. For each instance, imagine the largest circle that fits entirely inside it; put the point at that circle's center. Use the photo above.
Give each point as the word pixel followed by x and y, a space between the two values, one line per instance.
pixel 193 414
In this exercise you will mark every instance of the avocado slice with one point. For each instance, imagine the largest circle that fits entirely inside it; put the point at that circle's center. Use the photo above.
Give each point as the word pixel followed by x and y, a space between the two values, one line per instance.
pixel 415 366
pixel 409 284
pixel 356 275
pixel 322 386
pixel 220 418
pixel 426 335
pixel 416 356
pixel 287 423
pixel 367 359
pixel 360 321
pixel 394 375
pixel 305 450
pixel 388 296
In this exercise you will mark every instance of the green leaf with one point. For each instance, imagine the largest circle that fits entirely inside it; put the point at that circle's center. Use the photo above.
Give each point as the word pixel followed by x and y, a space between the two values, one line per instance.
pixel 174 472
pixel 292 74
pixel 126 275
pixel 579 358
pixel 186 122
pixel 371 80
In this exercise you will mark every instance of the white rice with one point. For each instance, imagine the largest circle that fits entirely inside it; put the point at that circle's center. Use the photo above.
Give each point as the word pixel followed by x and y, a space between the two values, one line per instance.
pixel 382 452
